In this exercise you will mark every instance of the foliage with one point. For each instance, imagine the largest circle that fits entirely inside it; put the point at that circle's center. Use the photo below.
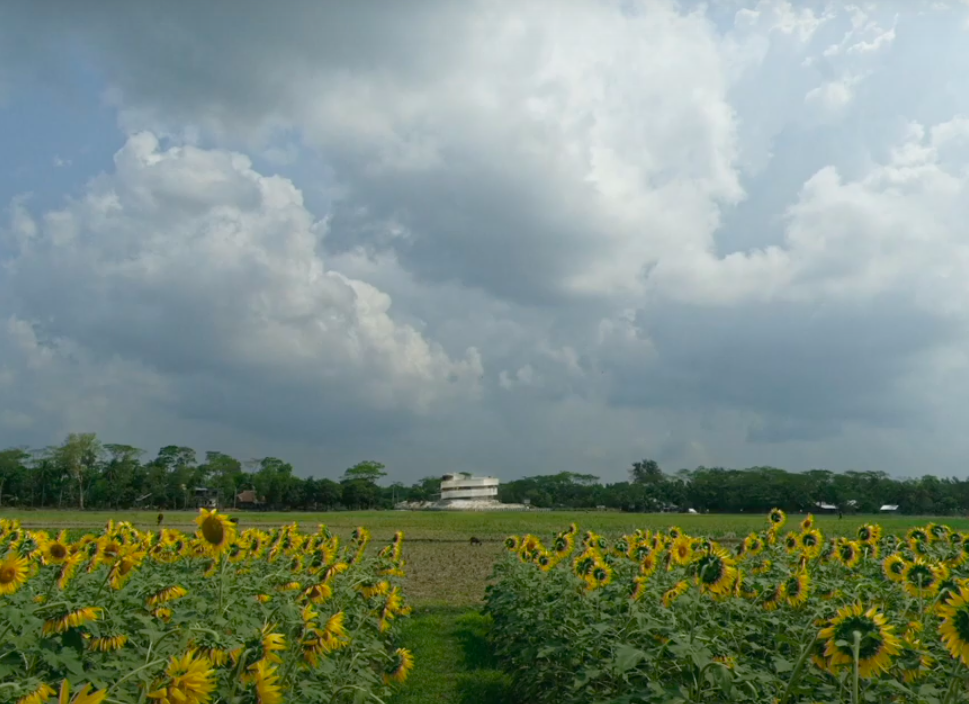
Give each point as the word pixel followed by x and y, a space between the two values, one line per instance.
pixel 668 617
pixel 117 476
pixel 221 616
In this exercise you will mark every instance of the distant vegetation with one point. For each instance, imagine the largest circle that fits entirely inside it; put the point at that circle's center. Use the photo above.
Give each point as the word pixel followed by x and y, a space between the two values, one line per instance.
pixel 82 472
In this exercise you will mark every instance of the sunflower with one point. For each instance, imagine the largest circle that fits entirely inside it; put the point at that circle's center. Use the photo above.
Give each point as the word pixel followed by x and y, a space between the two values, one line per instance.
pixel 682 550
pixel 763 567
pixel 792 543
pixel 848 553
pixel 600 576
pixel 648 564
pixel 401 663
pixel 869 533
pixel 562 545
pixel 215 531
pixel 640 589
pixel 742 587
pixel 84 696
pixel 773 597
pixel 621 546
pixel 39 695
pixel 938 531
pixel 318 593
pixel 266 683
pixel 753 545
pixel 954 627
pixel 371 589
pixel 811 542
pixel 893 567
pixel 68 569
pixel 14 571
pixel 675 592
pixel 106 644
pixel 166 594
pixel 546 561
pixel 777 518
pixel 271 643
pixel 582 565
pixel 55 551
pixel 807 523
pixel 715 571
pixel 915 662
pixel 877 646
pixel 188 680
pixel 71 619
pixel 125 564
pixel 794 590
pixel 921 579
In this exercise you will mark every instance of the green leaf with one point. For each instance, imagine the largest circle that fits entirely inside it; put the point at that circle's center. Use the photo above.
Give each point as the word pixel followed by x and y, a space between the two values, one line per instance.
pixel 627 657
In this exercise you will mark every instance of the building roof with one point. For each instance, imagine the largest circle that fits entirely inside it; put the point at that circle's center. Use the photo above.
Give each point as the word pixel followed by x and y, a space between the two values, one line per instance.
pixel 247 497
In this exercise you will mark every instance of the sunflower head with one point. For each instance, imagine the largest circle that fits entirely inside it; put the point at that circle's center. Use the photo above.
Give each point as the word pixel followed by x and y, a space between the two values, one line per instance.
pixel 753 544
pixel 893 567
pixel 400 664
pixel 777 518
pixel 215 531
pixel 14 571
pixel 795 589
pixel 877 644
pixel 954 626
pixel 714 570
pixel 188 679
pixel 682 550
pixel 848 553
pixel 921 578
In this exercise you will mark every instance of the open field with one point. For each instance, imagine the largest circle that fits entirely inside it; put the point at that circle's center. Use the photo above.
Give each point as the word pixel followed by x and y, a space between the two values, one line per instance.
pixel 447 526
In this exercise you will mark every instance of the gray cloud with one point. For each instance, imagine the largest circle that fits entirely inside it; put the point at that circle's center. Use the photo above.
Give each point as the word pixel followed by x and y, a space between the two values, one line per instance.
pixel 555 236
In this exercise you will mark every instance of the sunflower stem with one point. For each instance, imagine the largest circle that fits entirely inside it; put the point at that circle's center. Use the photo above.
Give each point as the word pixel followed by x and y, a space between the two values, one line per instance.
pixel 855 657
pixel 134 672
pixel 221 584
pixel 953 684
pixel 798 668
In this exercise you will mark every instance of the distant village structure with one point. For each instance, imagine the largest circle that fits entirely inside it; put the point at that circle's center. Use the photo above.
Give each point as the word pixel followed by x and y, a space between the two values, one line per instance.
pixel 464 492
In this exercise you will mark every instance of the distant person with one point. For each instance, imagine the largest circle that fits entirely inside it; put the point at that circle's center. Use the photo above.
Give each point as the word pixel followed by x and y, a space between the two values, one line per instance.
pixel 841 514
pixel 161 517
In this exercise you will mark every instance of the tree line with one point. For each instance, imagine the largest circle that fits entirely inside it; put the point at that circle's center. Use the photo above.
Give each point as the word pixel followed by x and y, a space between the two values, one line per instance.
pixel 82 472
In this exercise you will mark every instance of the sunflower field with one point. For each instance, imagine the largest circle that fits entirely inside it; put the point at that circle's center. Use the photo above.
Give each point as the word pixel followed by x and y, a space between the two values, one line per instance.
pixel 783 616
pixel 164 617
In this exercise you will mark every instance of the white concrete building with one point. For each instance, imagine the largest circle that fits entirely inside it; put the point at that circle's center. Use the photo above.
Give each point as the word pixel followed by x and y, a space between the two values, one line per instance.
pixel 464 492
pixel 457 487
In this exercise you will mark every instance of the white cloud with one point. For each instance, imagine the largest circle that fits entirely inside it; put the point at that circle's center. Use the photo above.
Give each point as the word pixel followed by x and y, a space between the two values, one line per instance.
pixel 605 228
pixel 188 261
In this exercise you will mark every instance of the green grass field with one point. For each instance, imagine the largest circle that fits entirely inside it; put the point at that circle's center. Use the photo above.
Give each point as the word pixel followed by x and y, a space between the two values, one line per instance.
pixel 446 577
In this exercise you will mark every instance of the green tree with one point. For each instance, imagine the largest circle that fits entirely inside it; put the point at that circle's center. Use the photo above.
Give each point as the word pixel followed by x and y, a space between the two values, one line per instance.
pixel 13 468
pixel 646 472
pixel 78 457
pixel 368 471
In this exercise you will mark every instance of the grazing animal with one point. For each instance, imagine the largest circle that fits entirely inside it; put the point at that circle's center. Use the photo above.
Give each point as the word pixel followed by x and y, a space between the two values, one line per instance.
pixel 234 521
pixel 161 517
pixel 475 541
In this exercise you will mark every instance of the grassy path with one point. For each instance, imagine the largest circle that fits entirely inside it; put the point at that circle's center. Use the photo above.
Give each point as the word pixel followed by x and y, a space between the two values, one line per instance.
pixel 453 662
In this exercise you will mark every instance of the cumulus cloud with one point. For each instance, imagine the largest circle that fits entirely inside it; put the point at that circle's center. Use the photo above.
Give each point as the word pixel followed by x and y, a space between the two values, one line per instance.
pixel 718 234
pixel 207 272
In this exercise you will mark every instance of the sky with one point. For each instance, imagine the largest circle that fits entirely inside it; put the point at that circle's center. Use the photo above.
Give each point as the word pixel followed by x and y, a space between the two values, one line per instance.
pixel 510 238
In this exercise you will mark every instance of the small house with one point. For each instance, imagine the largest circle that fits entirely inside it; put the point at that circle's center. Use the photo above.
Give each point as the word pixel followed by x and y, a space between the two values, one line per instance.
pixel 247 498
